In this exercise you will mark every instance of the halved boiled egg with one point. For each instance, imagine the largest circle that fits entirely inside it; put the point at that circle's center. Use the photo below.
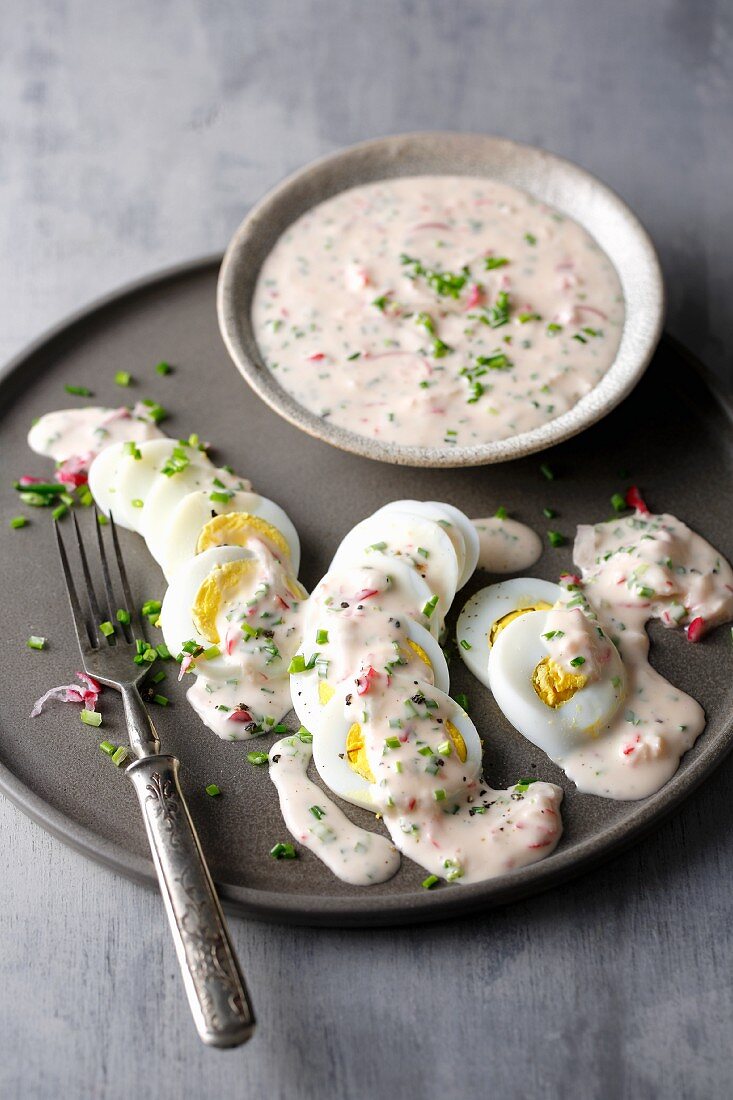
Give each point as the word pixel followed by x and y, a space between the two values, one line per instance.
pixel 362 761
pixel 197 523
pixel 557 678
pixel 416 540
pixel 348 647
pixel 491 609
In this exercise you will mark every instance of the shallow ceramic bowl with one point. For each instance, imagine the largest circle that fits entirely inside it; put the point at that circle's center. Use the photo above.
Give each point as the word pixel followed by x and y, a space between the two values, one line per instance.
pixel 549 178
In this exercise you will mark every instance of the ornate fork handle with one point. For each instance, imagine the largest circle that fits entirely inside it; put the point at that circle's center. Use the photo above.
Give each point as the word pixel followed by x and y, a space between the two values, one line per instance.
pixel 214 984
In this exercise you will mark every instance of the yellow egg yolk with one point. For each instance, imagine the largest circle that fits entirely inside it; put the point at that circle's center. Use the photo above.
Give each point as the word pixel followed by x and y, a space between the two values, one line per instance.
pixel 555 685
pixel 510 616
pixel 235 528
pixel 418 649
pixel 219 588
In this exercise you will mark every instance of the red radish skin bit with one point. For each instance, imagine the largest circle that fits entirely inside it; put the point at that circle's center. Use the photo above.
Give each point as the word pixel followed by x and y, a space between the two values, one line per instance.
pixel 634 499
pixel 696 629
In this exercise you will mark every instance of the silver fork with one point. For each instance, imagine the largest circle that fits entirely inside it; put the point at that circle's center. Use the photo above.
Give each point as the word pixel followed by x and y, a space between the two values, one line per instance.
pixel 214 984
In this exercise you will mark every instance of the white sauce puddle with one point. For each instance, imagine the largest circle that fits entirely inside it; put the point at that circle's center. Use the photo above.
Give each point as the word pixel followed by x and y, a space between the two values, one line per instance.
pixel 505 545
pixel 76 433
pixel 353 854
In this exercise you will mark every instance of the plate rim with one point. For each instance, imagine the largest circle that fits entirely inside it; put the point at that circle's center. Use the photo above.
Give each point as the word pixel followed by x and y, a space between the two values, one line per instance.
pixel 578 418
pixel 361 911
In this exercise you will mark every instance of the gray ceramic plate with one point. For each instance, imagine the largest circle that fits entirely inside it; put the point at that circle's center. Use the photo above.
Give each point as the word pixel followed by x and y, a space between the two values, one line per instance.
pixel 553 180
pixel 672 435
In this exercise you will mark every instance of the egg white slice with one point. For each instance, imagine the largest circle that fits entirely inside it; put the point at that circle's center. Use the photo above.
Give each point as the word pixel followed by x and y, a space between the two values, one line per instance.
pixel 491 604
pixel 330 744
pixel 416 540
pixel 454 522
pixel 176 620
pixel 134 476
pixel 428 510
pixel 408 594
pixel 313 689
pixel 102 479
pixel 515 654
pixel 196 509
pixel 166 492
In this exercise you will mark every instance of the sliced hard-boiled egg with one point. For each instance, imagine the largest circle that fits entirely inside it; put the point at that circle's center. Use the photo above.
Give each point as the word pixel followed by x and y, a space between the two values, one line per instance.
pixel 195 585
pixel 386 583
pixel 557 678
pixel 197 511
pixel 350 646
pixel 417 540
pixel 454 522
pixel 102 478
pixel 136 471
pixel 491 609
pixel 357 760
pixel 168 489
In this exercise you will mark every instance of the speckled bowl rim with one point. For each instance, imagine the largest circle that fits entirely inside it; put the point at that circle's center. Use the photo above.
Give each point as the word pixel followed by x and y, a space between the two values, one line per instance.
pixel 549 178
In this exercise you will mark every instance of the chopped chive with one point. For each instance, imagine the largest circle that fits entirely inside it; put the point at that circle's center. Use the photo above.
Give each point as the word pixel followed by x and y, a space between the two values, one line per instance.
pixel 297 664
pixel 549 513
pixel 91 717
pixel 430 606
pixel 524 318
pixel 577 662
pixel 423 552
pixel 618 502
pixel 283 851
pixel 445 748
pixel 392 742
pixel 123 378
pixel 500 513
pixel 119 756
pixel 547 472
pixel 439 794
pixel 123 616
pixel 492 262
pixel 107 628
pixel 35 499
pixel 556 538
pixel 60 511
pixel 210 653
pixel 163 651
pixel 462 701
pixel 161 700
pixel 465 644
pixel 321 637
pixel 212 790
pixel 163 367
pixel 553 328
pixel 18 521
pixel 102 519
pixel 151 607
pixel 136 503
pixel 646 593
pixel 155 411
pixel 78 391
pixel 158 677
pixel 108 748
pixel 280 728
pixel 317 812
pixel 132 450
pixel 305 735
pixel 221 497
pixel 36 642
pixel 257 758
pixel 429 882
pixel 530 238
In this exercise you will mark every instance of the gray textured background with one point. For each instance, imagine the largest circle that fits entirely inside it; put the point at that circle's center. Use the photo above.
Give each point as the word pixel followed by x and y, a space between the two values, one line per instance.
pixel 134 135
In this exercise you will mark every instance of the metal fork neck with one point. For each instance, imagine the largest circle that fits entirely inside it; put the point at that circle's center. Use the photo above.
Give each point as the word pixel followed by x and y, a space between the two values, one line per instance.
pixel 144 739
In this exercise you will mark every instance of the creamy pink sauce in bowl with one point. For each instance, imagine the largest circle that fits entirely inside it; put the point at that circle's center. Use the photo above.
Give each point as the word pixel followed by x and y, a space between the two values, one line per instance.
pixel 441 299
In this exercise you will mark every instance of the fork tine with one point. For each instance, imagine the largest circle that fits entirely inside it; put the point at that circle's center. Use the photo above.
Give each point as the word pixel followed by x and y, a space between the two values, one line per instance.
pixel 105 576
pixel 85 637
pixel 136 628
pixel 91 594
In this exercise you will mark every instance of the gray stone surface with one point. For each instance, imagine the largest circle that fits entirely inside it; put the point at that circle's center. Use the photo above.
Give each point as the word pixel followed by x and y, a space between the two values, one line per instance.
pixel 134 135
